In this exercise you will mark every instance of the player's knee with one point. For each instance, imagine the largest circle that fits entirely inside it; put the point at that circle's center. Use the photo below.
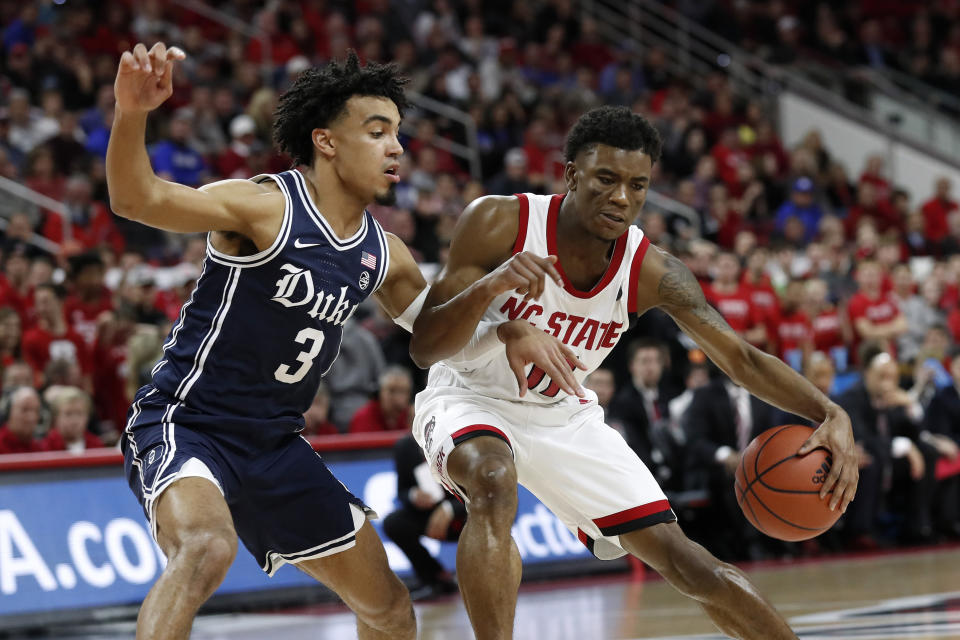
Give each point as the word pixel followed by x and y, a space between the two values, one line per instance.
pixel 209 553
pixel 492 484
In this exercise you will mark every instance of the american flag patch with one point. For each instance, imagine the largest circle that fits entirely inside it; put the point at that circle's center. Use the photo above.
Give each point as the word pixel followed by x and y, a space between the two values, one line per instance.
pixel 368 260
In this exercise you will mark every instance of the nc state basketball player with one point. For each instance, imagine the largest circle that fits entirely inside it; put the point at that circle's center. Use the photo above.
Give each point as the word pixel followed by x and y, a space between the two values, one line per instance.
pixel 212 446
pixel 482 433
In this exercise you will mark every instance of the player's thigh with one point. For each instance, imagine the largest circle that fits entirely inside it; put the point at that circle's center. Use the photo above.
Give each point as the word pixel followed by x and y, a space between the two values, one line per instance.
pixel 192 511
pixel 361 575
pixel 586 473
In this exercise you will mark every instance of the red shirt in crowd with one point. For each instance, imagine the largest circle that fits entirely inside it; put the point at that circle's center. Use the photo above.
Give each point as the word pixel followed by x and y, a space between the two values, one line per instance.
pixel 883 215
pixel 98 231
pixel 827 330
pixel 82 316
pixel 935 213
pixel 9 443
pixel 765 299
pixel 370 418
pixel 55 442
pixel 878 310
pixel 39 347
pixel 22 304
pixel 793 332
pixel 736 308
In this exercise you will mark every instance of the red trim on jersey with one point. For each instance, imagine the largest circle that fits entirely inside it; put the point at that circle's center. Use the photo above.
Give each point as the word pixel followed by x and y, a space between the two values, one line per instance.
pixel 632 514
pixel 618 251
pixel 488 428
pixel 522 222
pixel 635 274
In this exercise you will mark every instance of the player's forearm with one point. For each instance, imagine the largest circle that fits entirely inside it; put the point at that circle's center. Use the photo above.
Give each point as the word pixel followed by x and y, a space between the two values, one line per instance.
pixel 131 182
pixel 443 330
pixel 773 381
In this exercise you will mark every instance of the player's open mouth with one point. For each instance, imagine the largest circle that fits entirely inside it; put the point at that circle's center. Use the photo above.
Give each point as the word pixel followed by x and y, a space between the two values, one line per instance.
pixel 393 173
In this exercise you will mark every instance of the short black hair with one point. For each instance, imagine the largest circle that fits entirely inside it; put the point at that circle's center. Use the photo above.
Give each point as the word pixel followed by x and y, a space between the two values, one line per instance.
pixel 616 127
pixel 319 96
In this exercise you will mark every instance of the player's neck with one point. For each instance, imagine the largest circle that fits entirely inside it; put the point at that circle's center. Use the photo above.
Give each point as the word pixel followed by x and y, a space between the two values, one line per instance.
pixel 342 210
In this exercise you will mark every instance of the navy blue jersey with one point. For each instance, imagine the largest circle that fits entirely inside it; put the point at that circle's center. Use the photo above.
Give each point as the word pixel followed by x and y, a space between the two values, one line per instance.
pixel 259 331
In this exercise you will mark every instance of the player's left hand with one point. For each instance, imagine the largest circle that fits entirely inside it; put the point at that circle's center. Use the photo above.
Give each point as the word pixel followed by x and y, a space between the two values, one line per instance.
pixel 527 344
pixel 836 436
pixel 439 522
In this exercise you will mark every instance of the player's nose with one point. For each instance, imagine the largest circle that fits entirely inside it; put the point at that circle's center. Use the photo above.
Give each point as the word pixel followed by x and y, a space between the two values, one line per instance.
pixel 619 195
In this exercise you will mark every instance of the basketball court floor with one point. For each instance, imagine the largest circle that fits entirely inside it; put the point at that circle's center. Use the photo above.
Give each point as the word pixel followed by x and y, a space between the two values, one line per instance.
pixel 896 596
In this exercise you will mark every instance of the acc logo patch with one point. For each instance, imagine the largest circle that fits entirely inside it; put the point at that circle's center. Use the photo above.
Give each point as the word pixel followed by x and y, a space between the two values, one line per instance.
pixel 364 280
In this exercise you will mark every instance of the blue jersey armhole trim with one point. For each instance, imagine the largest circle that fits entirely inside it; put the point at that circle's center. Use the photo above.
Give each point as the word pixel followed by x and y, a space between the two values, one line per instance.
pixel 385 252
pixel 273 250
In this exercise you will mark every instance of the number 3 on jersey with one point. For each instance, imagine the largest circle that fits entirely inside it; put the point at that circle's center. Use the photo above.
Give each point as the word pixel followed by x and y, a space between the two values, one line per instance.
pixel 306 358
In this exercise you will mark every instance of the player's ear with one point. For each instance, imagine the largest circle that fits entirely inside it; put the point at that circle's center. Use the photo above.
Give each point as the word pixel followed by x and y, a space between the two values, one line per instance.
pixel 570 176
pixel 323 142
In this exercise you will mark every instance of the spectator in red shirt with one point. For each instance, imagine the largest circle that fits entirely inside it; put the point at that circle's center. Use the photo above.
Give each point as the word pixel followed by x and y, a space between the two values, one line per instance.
pixel 873 314
pixel 90 296
pixel 233 161
pixel 15 290
pixel 52 338
pixel 316 421
pixel 733 302
pixel 89 224
pixel 762 294
pixel 10 334
pixel 391 409
pixel 869 205
pixel 17 435
pixel 794 334
pixel 936 209
pixel 71 414
pixel 830 331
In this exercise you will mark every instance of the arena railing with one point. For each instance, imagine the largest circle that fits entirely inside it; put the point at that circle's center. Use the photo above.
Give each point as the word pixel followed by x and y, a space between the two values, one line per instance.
pixel 21 199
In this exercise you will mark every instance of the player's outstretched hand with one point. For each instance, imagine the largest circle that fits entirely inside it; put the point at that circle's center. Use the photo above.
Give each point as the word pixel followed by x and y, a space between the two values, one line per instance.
pixel 836 436
pixel 145 78
pixel 526 274
pixel 526 344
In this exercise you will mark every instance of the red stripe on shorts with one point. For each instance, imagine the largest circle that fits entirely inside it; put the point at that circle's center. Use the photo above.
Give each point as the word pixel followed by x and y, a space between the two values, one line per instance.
pixel 632 514
pixel 484 429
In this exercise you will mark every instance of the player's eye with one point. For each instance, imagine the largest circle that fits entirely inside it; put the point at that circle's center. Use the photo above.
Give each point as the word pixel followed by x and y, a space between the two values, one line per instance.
pixel 605 180
pixel 377 134
pixel 638 187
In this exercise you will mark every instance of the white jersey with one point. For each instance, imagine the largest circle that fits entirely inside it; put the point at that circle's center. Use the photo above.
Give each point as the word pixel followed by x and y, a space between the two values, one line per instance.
pixel 589 322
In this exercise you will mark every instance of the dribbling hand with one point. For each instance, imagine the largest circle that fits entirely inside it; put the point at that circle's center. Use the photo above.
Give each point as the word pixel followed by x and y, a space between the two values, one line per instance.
pixel 145 78
pixel 527 344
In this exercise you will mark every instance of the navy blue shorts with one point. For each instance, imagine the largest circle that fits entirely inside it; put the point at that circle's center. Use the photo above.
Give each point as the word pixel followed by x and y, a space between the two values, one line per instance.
pixel 285 503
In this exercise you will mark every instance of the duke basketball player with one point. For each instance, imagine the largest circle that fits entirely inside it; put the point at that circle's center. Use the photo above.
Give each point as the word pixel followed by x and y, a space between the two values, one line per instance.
pixel 482 433
pixel 211 446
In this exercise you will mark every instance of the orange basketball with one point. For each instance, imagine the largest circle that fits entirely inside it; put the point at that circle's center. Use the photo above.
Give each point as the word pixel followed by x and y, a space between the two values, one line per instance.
pixel 779 491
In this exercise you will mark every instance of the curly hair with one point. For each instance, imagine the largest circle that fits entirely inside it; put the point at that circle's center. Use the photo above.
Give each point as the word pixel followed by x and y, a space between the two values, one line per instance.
pixel 616 127
pixel 319 96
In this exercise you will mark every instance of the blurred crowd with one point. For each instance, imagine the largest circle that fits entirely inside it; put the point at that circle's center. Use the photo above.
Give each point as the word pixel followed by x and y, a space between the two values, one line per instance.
pixel 851 279
pixel 920 38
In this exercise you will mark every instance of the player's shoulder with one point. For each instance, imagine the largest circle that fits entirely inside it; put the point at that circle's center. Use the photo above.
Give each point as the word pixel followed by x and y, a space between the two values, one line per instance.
pixel 493 209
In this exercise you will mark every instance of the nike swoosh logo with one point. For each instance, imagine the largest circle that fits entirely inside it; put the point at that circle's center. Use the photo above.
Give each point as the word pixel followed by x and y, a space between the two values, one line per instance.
pixel 304 245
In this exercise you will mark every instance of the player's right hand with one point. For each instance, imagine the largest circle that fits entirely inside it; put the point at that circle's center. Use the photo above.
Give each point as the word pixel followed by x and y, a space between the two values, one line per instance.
pixel 145 78
pixel 524 273
pixel 527 344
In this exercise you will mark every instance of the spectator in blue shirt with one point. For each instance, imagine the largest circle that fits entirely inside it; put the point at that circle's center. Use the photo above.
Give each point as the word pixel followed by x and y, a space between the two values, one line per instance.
pixel 802 206
pixel 174 159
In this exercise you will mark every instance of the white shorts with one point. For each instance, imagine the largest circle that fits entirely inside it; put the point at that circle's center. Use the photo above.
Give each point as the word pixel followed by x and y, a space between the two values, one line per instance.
pixel 565 454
